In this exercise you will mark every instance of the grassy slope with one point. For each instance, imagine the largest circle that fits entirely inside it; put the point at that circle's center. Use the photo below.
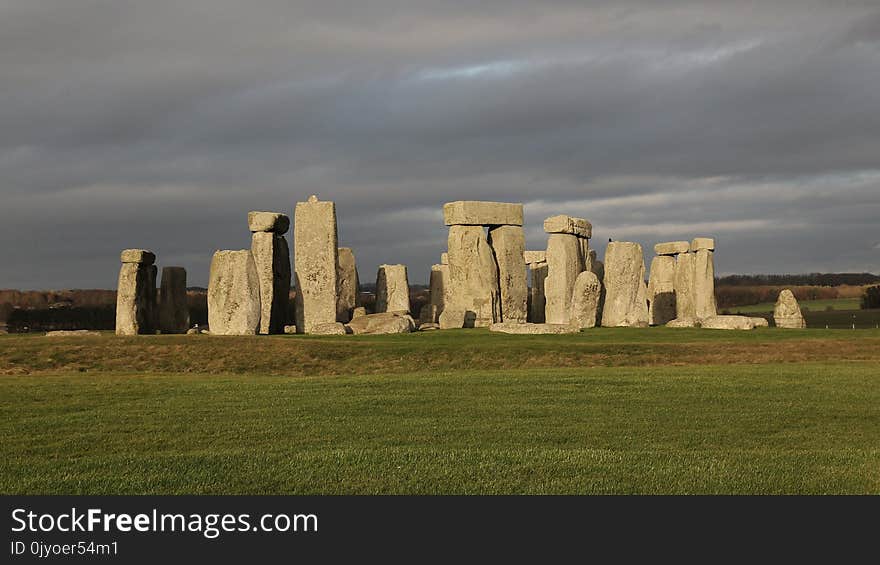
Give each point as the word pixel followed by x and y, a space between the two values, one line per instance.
pixel 423 426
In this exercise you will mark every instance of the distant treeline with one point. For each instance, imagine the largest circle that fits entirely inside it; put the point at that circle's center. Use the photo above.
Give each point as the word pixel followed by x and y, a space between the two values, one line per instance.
pixel 812 279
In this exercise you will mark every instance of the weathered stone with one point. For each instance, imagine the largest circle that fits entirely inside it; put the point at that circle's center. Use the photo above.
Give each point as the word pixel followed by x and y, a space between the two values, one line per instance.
pixel 473 278
pixel 347 285
pixel 787 312
pixel 382 323
pixel 760 322
pixel 704 284
pixel 358 312
pixel 192 331
pixel 455 318
pixel 585 300
pixel 438 290
pixel 535 329
pixel 173 306
pixel 585 253
pixel 233 294
pixel 626 302
pixel 426 314
pixel 685 301
pixel 566 224
pixel 478 213
pixel 290 329
pixel 727 323
pixel 535 257
pixel 706 243
pixel 272 260
pixel 428 327
pixel 331 328
pixel 537 297
pixel 598 268
pixel 509 245
pixel 683 323
pixel 444 258
pixel 661 290
pixel 672 248
pixel 392 289
pixel 71 333
pixel 135 302
pixel 315 257
pixel 564 263
pixel 137 256
pixel 268 222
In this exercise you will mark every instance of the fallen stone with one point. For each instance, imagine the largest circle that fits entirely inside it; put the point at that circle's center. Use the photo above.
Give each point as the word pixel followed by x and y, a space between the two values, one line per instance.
pixel 787 312
pixel 509 245
pixel 564 263
pixel 71 333
pixel 685 300
pixel 585 300
pixel 268 222
pixel 315 257
pixel 173 305
pixel 533 329
pixel 683 323
pixel 428 327
pixel 537 296
pixel 672 248
pixel 358 312
pixel 473 278
pixel 347 284
pixel 706 243
pixel 192 331
pixel 233 294
pixel 566 224
pixel 760 322
pixel 531 257
pixel 383 323
pixel 478 213
pixel 626 302
pixel 392 289
pixel 290 329
pixel 137 256
pixel 661 290
pixel 332 328
pixel 272 260
pixel 727 323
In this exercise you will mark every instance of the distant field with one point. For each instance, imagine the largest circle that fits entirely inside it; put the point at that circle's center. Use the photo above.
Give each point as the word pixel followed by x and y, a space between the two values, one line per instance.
pixel 843 313
pixel 608 411
pixel 813 305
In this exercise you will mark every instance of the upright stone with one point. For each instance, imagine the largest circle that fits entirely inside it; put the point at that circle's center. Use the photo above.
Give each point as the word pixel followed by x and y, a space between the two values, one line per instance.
pixel 535 257
pixel 537 296
pixel 478 213
pixel 438 284
pixel 685 301
pixel 661 290
pixel 787 312
pixel 626 301
pixel 315 257
pixel 173 307
pixel 135 301
pixel 347 285
pixel 272 259
pixel 473 296
pixel 392 289
pixel 598 268
pixel 565 262
pixel 509 245
pixel 233 294
pixel 585 300
pixel 704 284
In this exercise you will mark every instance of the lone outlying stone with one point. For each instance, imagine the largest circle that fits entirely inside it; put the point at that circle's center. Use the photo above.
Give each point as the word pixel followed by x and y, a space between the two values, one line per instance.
pixel 787 312
pixel 315 257
pixel 173 307
pixel 233 294
pixel 392 289
pixel 479 213
pixel 626 302
pixel 136 293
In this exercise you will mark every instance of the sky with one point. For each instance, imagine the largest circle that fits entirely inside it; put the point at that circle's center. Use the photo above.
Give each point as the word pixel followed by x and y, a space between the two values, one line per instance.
pixel 159 124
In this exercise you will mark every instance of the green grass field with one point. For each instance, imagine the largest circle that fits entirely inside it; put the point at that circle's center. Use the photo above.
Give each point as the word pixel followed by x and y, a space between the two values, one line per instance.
pixel 811 305
pixel 606 411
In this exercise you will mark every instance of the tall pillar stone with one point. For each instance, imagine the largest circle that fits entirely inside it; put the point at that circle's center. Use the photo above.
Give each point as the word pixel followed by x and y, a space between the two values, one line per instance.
pixel 585 300
pixel 437 286
pixel 704 277
pixel 509 245
pixel 661 290
pixel 537 296
pixel 392 289
pixel 315 256
pixel 347 285
pixel 173 306
pixel 474 297
pixel 272 259
pixel 564 263
pixel 233 294
pixel 598 268
pixel 136 293
pixel 685 302
pixel 626 302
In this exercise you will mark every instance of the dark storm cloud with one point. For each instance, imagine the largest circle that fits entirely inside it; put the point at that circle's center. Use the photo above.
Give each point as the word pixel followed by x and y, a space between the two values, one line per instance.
pixel 160 124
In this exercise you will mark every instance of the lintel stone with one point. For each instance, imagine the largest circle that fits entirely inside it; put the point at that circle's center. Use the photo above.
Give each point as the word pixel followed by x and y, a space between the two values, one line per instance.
pixel 479 213
pixel 566 224
pixel 672 248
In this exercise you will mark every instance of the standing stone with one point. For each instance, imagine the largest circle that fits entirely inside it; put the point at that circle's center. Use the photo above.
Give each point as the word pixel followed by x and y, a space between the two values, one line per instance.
pixel 661 290
pixel 685 301
pixel 392 289
pixel 598 268
pixel 787 312
pixel 233 294
pixel 537 296
pixel 585 300
pixel 315 257
pixel 626 301
pixel 509 245
pixel 437 286
pixel 565 262
pixel 535 257
pixel 272 259
pixel 173 307
pixel 347 285
pixel 444 258
pixel 135 301
pixel 704 284
pixel 473 297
